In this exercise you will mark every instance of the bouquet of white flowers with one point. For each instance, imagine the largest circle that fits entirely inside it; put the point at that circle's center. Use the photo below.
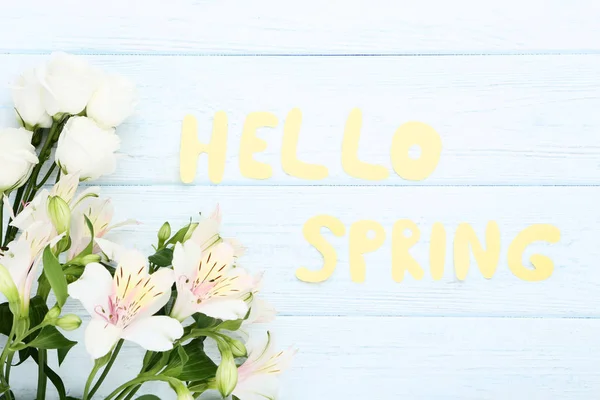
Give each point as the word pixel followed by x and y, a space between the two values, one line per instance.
pixel 55 243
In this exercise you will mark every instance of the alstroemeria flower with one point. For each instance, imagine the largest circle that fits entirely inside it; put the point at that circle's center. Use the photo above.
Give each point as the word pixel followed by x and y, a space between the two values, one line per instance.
pixel 123 306
pixel 22 257
pixel 208 283
pixel 100 212
pixel 37 209
pixel 258 375
pixel 207 234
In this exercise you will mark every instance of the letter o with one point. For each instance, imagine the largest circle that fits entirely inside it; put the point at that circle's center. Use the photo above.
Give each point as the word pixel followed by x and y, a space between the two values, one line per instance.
pixel 423 135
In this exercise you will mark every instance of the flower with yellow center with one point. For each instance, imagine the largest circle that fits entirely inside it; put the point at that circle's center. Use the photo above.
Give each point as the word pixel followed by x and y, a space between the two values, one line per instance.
pixel 123 306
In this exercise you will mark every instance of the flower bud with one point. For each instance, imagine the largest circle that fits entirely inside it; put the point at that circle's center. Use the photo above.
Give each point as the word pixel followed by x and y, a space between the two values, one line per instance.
pixel 90 258
pixel 8 289
pixel 52 315
pixel 227 374
pixel 69 322
pixel 238 349
pixel 60 214
pixel 183 393
pixel 164 234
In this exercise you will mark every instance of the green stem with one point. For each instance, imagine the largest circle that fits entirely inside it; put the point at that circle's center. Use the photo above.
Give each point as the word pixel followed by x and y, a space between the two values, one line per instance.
pixel 45 178
pixel 1 219
pixel 42 381
pixel 28 191
pixel 6 377
pixel 128 393
pixel 113 357
pixel 8 366
pixel 138 381
pixel 43 156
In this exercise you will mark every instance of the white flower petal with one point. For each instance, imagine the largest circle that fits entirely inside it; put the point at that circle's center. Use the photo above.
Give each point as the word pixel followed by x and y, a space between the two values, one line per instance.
pixel 225 309
pixel 257 387
pixel 112 250
pixel 261 312
pixel 100 337
pixel 155 333
pixel 93 288
pixel 186 259
pixel 162 281
pixel 185 304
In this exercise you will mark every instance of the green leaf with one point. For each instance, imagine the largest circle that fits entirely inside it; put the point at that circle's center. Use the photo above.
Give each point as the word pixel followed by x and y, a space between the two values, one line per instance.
pixel 198 367
pixel 90 247
pixel 6 318
pixel 205 322
pixel 232 325
pixel 148 397
pixel 56 277
pixel 50 338
pixel 176 362
pixel 44 287
pixel 162 258
pixel 183 233
pixel 61 354
pixel 53 376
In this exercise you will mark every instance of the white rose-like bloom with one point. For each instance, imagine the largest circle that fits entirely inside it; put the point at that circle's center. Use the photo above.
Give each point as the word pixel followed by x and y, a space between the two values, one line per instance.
pixel 113 101
pixel 68 82
pixel 27 96
pixel 17 158
pixel 87 149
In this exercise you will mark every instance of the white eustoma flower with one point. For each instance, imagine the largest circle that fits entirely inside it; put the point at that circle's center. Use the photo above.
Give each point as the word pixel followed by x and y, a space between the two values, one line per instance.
pixel 27 96
pixel 208 283
pixel 68 83
pixel 113 101
pixel 17 158
pixel 258 375
pixel 22 256
pixel 86 148
pixel 207 234
pixel 124 306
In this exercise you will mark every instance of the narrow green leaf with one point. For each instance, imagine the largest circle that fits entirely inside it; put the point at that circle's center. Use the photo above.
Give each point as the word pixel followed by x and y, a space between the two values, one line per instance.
pixel 148 397
pixel 53 376
pixel 90 247
pixel 56 277
pixel 50 338
pixel 6 318
pixel 183 233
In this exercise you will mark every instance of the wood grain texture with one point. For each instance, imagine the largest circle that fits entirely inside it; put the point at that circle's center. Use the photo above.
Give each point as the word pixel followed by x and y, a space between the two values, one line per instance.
pixel 513 89
pixel 425 358
pixel 306 27
pixel 519 120
pixel 269 220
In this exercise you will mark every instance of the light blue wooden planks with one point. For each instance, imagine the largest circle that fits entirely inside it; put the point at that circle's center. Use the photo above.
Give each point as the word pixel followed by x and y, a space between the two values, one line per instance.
pixel 512 87
pixel 503 120
pixel 349 27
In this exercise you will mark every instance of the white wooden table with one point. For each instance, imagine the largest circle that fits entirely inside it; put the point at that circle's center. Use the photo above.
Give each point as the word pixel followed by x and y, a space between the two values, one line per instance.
pixel 513 88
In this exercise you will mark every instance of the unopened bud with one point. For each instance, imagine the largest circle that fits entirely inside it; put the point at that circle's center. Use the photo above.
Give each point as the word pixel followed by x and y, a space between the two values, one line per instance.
pixel 227 374
pixel 53 313
pixel 69 322
pixel 238 349
pixel 60 214
pixel 164 233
